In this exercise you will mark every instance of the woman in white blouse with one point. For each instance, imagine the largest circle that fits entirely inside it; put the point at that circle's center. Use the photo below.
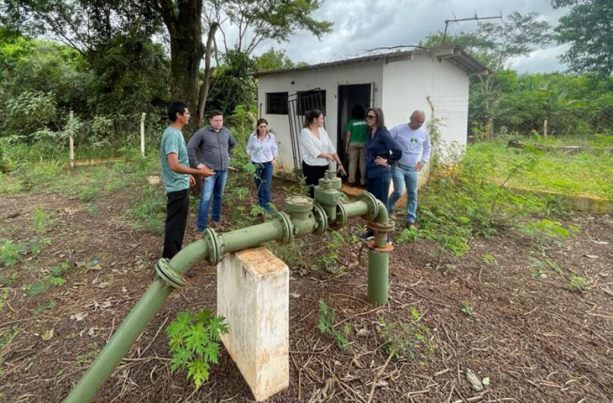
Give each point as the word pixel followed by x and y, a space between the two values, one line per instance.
pixel 262 150
pixel 317 150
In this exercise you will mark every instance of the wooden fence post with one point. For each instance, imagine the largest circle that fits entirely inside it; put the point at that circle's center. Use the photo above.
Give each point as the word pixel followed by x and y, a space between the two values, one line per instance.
pixel 71 142
pixel 545 127
pixel 142 134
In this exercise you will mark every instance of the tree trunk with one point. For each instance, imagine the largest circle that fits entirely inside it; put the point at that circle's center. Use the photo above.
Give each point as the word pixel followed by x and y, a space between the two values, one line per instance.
pixel 182 19
pixel 204 88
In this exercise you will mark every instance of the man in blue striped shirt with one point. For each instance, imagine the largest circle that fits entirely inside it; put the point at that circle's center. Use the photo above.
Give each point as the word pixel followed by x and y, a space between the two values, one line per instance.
pixel 415 142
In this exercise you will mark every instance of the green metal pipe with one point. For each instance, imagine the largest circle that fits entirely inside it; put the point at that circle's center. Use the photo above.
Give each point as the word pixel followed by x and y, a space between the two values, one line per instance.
pixel 377 276
pixel 356 209
pixel 150 303
pixel 252 236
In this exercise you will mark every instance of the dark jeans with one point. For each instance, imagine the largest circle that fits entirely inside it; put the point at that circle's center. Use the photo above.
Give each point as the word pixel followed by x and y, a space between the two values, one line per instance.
pixel 263 184
pixel 312 175
pixel 177 207
pixel 379 186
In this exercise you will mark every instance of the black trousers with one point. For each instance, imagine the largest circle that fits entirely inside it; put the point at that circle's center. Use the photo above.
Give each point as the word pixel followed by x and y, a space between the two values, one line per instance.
pixel 177 207
pixel 312 175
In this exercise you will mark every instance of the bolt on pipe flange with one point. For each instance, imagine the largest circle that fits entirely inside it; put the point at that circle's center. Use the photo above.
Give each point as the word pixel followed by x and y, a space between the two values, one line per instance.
pixel 372 203
pixel 321 219
pixel 381 230
pixel 288 227
pixel 214 245
pixel 164 269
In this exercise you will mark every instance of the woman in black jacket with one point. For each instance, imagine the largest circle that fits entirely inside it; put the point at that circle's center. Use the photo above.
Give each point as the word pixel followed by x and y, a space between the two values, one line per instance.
pixel 381 151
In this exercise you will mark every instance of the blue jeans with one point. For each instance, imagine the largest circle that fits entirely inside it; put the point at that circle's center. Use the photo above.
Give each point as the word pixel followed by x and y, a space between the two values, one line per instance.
pixel 401 176
pixel 212 186
pixel 263 184
pixel 379 186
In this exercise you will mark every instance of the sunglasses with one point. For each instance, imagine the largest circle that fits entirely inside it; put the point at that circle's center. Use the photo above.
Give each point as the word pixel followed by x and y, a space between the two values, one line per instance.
pixel 371 116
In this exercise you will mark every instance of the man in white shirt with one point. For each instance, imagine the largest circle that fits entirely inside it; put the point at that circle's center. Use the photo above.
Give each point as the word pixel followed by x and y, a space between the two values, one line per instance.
pixel 415 142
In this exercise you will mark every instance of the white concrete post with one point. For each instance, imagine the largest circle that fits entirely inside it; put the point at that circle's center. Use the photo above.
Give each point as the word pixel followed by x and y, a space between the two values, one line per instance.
pixel 71 142
pixel 253 296
pixel 142 134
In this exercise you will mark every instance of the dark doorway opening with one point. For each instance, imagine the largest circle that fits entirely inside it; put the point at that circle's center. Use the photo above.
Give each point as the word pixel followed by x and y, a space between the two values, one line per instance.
pixel 348 96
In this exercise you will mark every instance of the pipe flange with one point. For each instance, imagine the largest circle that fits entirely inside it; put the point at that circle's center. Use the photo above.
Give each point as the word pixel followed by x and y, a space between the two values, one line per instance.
pixel 341 216
pixel 382 227
pixel 372 203
pixel 214 245
pixel 288 227
pixel 164 269
pixel 321 218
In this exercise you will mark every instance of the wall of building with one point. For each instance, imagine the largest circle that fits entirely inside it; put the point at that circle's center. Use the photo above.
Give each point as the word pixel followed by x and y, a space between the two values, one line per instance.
pixel 327 78
pixel 408 84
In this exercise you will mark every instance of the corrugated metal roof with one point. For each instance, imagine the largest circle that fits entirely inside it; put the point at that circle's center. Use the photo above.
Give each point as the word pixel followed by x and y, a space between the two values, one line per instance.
pixel 455 55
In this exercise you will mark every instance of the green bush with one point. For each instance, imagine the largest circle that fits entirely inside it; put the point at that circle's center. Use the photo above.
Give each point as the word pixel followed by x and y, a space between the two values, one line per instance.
pixel 29 112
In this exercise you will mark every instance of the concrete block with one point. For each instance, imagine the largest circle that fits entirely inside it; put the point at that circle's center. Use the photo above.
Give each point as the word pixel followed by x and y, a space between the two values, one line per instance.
pixel 253 296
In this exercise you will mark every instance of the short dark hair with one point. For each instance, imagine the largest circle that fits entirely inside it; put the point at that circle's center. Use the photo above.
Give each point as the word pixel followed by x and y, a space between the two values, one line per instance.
pixel 357 112
pixel 311 116
pixel 175 108
pixel 380 119
pixel 214 113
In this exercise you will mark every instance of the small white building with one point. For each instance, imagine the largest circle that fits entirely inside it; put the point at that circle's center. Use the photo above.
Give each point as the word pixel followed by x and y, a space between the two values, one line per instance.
pixel 432 80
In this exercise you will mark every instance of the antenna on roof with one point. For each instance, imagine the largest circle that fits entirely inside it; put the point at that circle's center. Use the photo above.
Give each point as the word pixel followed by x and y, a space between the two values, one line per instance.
pixel 474 18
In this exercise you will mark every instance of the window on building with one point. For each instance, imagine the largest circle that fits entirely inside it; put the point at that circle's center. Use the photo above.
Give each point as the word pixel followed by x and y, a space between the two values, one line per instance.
pixel 276 103
pixel 314 99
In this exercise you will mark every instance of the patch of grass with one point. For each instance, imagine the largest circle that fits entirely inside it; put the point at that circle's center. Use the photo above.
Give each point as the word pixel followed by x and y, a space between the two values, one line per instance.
pixel 42 221
pixel 408 235
pixel 4 294
pixel 334 244
pixel 41 308
pixel 87 358
pixel 10 253
pixel 467 308
pixel 149 211
pixel 585 173
pixel 327 325
pixel 489 259
pixel 546 229
pixel 406 338
pixel 577 283
pixel 53 279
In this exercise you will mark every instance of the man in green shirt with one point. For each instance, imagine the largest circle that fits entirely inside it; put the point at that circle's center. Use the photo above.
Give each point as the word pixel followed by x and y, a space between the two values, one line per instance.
pixel 177 178
pixel 355 137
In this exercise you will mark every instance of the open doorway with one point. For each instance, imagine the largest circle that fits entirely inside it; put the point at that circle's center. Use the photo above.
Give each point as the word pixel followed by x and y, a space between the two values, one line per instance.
pixel 348 96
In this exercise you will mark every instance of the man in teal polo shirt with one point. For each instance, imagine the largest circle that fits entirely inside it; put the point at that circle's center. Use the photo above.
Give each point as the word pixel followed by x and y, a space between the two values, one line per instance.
pixel 176 177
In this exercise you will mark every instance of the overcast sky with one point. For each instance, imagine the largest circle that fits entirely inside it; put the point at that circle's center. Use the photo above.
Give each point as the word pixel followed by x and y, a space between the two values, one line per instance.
pixel 360 25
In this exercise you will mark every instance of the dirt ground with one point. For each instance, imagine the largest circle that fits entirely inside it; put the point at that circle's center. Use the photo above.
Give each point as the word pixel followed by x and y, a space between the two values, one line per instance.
pixel 504 311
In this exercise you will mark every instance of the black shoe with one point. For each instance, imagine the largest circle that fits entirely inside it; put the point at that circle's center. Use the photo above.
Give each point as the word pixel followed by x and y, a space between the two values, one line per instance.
pixel 367 236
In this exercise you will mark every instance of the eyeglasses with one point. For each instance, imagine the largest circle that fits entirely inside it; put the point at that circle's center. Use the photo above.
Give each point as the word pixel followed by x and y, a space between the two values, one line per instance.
pixel 371 116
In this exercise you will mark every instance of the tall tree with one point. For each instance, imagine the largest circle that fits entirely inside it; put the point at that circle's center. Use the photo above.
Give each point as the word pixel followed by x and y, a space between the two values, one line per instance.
pixel 251 22
pixel 588 28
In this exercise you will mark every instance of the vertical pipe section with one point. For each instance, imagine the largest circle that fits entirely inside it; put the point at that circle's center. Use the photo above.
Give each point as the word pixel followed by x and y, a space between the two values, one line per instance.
pixel 378 276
